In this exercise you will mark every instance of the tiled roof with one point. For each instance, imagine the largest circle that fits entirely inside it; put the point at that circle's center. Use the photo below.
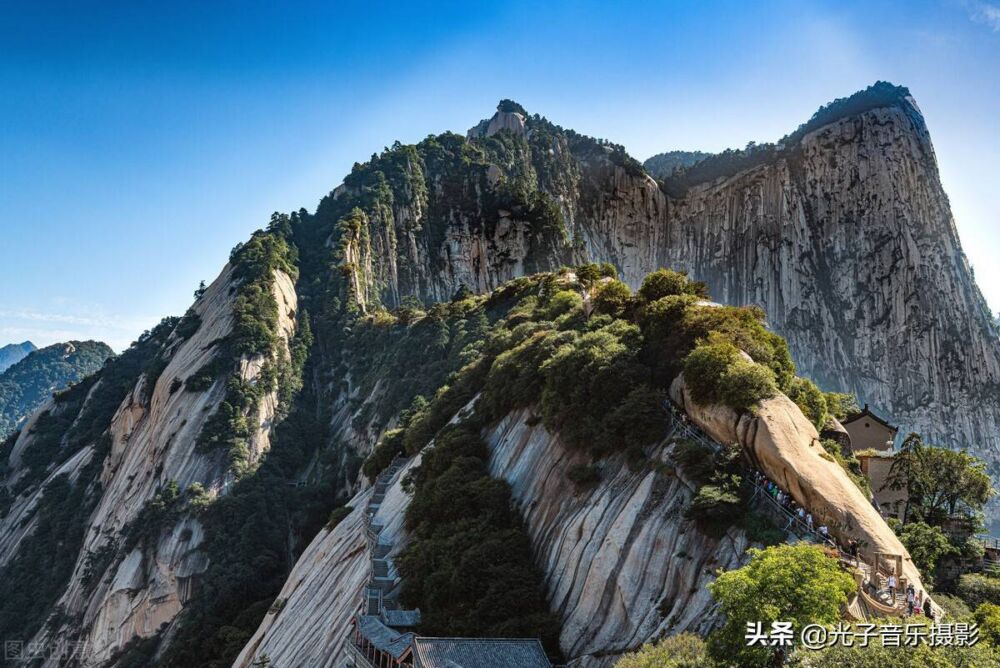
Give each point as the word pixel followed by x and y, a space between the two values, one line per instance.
pixel 866 412
pixel 382 637
pixel 479 653
pixel 401 618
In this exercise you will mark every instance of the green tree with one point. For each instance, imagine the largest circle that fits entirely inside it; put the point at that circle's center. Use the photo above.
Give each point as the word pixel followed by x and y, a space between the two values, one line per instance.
pixel 840 405
pixel 793 583
pixel 980 655
pixel 940 483
pixel 977 588
pixel 667 282
pixel 926 545
pixel 685 650
pixel 810 400
pixel 988 617
pixel 704 368
pixel 612 298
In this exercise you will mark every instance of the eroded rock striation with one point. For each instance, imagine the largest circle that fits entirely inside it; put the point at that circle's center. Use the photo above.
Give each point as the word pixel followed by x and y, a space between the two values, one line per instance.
pixel 119 591
pixel 844 235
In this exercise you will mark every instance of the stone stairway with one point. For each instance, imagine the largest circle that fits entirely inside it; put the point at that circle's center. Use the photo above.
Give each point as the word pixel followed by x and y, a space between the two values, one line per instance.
pixel 383 574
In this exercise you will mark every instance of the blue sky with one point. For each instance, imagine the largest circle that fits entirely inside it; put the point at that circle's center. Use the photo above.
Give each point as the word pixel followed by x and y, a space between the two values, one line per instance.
pixel 142 140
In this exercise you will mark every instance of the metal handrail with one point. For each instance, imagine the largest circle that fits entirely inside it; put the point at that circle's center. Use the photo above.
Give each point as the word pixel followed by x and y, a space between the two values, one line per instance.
pixel 694 433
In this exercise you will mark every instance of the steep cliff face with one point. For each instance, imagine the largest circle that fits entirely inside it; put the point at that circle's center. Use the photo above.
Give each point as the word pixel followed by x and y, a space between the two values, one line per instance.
pixel 849 244
pixel 122 588
pixel 844 235
pixel 310 622
pixel 785 446
pixel 621 563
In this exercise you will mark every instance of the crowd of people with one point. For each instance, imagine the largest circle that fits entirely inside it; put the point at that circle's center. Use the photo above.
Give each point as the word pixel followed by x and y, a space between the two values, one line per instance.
pixel 797 515
pixel 916 602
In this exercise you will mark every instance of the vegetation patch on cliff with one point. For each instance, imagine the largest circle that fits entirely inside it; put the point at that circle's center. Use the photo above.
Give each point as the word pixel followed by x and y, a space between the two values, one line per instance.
pixel 254 335
pixel 31 583
pixel 468 565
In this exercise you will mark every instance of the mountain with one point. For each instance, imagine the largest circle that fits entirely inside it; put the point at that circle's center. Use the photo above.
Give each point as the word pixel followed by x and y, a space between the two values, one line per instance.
pixel 206 496
pixel 13 353
pixel 663 165
pixel 25 385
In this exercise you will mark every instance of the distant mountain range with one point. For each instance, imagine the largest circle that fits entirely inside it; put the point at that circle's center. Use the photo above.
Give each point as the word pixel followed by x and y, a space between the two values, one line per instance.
pixel 13 353
pixel 663 165
pixel 30 379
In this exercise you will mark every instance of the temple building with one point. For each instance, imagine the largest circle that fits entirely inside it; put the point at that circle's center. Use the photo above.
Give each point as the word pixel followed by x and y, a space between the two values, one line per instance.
pixel 869 432
pixel 376 644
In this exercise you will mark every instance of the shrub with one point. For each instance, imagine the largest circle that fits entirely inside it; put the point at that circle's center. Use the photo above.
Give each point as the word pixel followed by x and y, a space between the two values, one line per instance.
pixel 337 515
pixel 685 650
pixel 926 545
pixel 562 302
pixel 584 475
pixel 697 460
pixel 389 447
pixel 745 384
pixel 639 420
pixel 704 368
pixel 793 583
pixel 953 606
pixel 714 508
pixel 762 530
pixel 666 282
pixel 976 589
pixel 810 400
pixel 988 617
pixel 840 405
pixel 612 298
pixel 468 565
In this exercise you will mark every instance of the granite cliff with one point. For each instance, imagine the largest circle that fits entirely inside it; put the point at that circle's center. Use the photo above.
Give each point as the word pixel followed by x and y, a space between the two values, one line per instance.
pixel 842 232
pixel 182 536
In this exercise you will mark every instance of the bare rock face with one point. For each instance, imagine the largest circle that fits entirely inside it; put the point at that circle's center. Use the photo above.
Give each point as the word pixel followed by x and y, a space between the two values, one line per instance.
pixel 621 564
pixel 850 246
pixel 785 446
pixel 845 238
pixel 310 623
pixel 153 437
pixel 512 121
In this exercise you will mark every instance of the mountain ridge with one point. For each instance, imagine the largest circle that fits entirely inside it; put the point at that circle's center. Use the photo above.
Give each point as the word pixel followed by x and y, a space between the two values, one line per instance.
pixel 208 456
pixel 12 353
pixel 27 383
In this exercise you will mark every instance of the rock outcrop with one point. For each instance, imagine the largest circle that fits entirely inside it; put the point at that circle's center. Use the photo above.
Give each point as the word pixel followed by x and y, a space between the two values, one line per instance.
pixel 784 445
pixel 621 563
pixel 844 236
pixel 849 245
pixel 153 441
pixel 310 622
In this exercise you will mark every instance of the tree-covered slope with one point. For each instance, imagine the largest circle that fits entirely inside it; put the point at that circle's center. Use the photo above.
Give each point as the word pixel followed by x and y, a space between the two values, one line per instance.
pixel 26 384
pixel 663 165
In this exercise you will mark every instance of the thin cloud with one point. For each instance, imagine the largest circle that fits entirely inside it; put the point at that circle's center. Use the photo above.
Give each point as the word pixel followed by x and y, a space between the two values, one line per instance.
pixel 984 12
pixel 44 328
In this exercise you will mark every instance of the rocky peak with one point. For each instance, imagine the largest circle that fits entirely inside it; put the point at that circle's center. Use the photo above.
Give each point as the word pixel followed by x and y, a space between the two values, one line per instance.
pixel 13 353
pixel 509 116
